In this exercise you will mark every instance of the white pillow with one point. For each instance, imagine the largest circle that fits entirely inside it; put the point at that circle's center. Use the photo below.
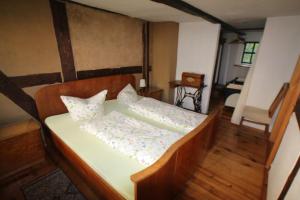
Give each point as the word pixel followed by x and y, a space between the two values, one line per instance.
pixel 85 109
pixel 127 95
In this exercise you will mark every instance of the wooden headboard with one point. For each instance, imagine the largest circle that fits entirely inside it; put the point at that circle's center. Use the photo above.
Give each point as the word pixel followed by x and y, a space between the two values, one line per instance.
pixel 48 98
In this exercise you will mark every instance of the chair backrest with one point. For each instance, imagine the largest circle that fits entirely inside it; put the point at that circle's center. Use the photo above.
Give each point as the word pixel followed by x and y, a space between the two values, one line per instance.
pixel 280 96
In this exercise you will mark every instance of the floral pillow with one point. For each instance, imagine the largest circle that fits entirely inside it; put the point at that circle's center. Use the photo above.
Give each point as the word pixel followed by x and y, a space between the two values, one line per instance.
pixel 85 109
pixel 127 95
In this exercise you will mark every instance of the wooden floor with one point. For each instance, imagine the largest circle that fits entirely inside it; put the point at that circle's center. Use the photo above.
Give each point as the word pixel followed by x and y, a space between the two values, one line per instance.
pixel 11 188
pixel 232 170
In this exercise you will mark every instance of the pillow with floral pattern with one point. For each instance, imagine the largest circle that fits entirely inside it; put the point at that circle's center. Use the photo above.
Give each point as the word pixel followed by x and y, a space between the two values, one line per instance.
pixel 127 95
pixel 85 109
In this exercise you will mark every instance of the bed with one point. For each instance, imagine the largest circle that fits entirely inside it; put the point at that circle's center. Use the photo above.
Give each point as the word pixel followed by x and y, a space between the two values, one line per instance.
pixel 162 180
pixel 232 91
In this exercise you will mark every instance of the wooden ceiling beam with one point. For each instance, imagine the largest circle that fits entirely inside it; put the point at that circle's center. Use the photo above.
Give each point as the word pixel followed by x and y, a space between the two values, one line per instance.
pixel 188 8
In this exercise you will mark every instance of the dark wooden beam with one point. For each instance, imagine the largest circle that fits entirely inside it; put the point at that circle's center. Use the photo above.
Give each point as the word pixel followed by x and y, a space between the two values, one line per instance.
pixel 289 180
pixel 252 29
pixel 108 72
pixel 61 27
pixel 188 8
pixel 36 79
pixel 146 52
pixel 17 95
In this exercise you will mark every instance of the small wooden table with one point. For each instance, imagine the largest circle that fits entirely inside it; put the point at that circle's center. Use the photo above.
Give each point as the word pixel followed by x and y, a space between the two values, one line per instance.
pixel 152 92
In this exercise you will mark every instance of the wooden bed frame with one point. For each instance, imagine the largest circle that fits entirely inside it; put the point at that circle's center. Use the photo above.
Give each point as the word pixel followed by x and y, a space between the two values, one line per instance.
pixel 163 179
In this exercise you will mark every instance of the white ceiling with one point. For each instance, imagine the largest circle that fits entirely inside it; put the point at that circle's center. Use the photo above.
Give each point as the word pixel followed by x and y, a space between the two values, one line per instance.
pixel 239 13
pixel 143 9
pixel 247 13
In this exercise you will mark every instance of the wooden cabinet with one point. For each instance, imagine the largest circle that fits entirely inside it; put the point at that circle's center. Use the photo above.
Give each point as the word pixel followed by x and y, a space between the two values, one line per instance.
pixel 20 147
pixel 152 92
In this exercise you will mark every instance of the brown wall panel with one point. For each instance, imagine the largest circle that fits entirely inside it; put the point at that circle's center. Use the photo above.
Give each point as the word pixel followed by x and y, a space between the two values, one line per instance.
pixel 28 44
pixel 163 56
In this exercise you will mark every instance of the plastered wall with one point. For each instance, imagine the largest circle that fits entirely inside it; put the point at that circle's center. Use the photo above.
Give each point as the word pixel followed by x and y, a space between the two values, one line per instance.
pixel 28 44
pixel 284 162
pixel 164 39
pixel 197 51
pixel 104 40
pixel 276 59
pixel 232 54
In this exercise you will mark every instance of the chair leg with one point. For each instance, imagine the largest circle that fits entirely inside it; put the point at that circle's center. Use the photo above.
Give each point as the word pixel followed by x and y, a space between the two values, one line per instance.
pixel 241 122
pixel 267 131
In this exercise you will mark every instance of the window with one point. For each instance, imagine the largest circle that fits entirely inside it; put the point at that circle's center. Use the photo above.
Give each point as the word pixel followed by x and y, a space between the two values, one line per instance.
pixel 249 52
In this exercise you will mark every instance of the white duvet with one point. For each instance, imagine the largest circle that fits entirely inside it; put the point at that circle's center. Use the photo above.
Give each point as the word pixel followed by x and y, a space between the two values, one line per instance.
pixel 167 114
pixel 134 138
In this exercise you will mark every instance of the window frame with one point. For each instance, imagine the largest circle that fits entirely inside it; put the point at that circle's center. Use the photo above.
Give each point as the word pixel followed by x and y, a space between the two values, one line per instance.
pixel 251 53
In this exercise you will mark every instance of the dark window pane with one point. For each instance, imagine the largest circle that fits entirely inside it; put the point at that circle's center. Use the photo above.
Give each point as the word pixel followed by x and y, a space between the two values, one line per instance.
pixel 256 47
pixel 249 47
pixel 246 58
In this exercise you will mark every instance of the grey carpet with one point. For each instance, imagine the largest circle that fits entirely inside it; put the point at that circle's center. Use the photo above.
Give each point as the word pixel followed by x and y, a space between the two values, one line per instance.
pixel 55 186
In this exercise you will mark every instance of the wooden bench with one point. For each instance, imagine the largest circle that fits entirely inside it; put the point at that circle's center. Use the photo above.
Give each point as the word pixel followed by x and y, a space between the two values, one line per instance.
pixel 20 147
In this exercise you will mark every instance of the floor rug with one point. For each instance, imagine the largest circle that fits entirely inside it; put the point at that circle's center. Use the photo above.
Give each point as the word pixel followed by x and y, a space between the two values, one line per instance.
pixel 54 186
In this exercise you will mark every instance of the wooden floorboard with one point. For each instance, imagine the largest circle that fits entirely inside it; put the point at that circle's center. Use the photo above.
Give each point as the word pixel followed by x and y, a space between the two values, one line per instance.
pixel 232 170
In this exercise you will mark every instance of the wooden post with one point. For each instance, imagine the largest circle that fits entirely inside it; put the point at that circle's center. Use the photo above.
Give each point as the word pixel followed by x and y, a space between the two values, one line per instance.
pixel 61 27
pixel 146 52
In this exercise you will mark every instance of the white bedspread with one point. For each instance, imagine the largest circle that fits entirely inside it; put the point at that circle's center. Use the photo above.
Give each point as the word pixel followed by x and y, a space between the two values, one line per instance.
pixel 167 113
pixel 134 138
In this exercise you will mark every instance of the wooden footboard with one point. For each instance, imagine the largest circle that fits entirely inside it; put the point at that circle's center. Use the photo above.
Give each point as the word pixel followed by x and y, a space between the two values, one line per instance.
pixel 167 177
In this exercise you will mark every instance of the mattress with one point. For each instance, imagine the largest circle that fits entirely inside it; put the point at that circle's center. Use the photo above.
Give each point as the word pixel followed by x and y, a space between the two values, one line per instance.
pixel 234 86
pixel 113 166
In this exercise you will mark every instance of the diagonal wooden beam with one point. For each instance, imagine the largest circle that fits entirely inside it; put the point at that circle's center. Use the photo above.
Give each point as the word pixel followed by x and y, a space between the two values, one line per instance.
pixel 188 8
pixel 17 95
pixel 290 180
pixel 61 27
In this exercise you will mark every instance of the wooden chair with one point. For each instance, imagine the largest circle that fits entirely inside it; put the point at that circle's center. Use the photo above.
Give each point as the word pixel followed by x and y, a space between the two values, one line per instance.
pixel 261 116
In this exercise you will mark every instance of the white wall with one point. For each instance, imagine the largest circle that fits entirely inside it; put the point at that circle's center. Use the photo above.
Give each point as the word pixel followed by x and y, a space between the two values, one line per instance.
pixel 232 54
pixel 285 160
pixel 197 50
pixel 275 62
pixel 278 54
